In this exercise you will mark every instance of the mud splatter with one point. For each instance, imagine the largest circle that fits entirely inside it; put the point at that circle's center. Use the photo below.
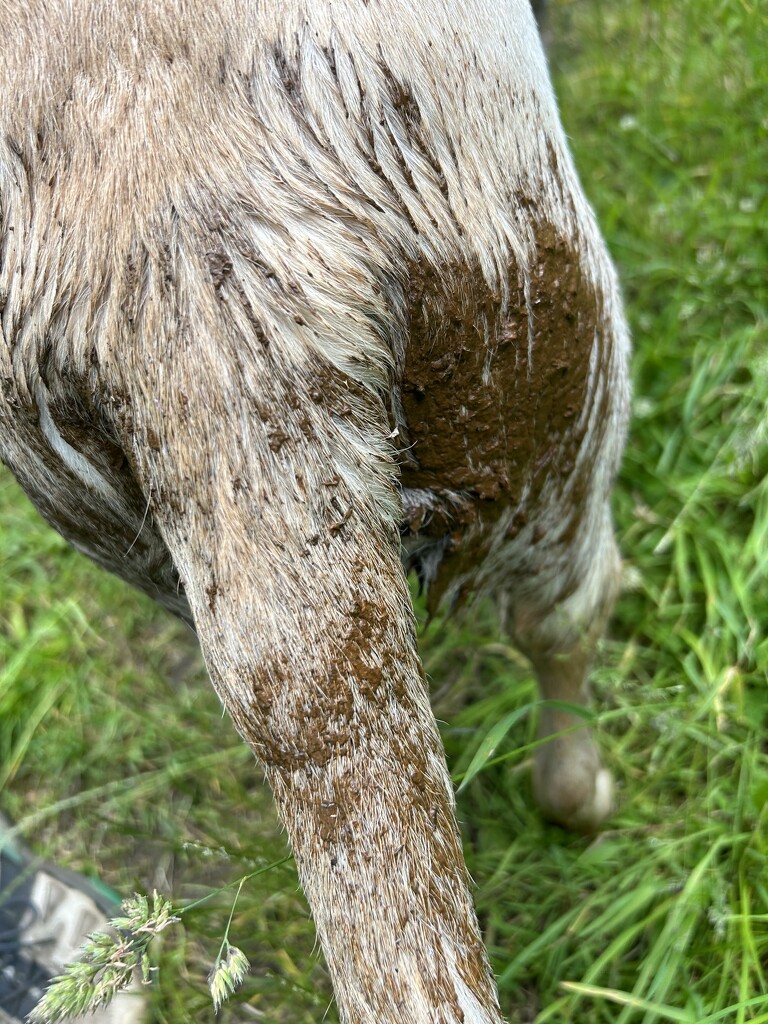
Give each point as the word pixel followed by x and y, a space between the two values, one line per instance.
pixel 489 414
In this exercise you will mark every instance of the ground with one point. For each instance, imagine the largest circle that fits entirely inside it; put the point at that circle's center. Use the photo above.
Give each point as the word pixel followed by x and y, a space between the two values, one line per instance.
pixel 114 752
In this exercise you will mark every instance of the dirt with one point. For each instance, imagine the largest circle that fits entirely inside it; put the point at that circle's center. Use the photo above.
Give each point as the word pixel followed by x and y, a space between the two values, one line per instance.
pixel 490 412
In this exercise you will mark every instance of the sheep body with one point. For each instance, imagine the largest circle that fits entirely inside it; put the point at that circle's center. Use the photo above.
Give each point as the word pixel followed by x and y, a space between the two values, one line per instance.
pixel 281 284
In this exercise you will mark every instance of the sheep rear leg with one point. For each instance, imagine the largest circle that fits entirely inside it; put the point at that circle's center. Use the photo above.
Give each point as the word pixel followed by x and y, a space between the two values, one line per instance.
pixel 571 785
pixel 289 554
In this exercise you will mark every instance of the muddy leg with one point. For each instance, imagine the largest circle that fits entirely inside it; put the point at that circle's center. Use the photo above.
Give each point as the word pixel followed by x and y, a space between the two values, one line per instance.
pixel 282 517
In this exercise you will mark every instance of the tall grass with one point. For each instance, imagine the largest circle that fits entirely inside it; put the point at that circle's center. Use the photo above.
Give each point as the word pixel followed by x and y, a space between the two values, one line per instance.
pixel 112 747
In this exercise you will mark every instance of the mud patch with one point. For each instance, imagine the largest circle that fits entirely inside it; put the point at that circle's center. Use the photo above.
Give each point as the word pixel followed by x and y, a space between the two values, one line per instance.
pixel 497 400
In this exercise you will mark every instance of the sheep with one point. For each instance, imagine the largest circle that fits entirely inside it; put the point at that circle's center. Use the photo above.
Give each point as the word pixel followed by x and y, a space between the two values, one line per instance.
pixel 298 295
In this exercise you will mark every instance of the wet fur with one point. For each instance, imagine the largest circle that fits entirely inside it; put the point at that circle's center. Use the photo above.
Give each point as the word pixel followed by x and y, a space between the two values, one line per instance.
pixel 282 284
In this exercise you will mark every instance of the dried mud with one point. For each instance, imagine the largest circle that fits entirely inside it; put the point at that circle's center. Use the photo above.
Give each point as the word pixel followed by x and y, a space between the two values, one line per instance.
pixel 493 397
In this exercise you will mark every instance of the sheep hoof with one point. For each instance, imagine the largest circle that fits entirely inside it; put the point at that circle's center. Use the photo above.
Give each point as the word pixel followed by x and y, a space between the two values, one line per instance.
pixel 572 788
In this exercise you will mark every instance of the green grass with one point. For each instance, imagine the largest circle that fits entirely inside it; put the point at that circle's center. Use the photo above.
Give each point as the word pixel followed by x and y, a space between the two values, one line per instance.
pixel 112 746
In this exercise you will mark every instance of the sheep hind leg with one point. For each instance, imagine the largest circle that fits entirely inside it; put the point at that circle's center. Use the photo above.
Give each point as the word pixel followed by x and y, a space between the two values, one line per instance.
pixel 570 783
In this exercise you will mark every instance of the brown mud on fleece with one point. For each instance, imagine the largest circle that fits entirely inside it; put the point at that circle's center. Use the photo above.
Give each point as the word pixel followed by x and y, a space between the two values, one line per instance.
pixel 492 400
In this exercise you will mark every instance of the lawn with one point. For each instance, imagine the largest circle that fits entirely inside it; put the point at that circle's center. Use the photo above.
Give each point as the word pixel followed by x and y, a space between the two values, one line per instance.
pixel 114 754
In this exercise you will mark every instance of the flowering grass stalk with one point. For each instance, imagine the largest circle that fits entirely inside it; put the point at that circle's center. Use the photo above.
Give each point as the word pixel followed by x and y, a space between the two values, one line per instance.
pixel 231 964
pixel 108 962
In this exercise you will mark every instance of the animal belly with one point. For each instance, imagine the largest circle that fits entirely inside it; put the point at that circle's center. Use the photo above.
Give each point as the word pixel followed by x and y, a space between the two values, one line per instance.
pixel 82 485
